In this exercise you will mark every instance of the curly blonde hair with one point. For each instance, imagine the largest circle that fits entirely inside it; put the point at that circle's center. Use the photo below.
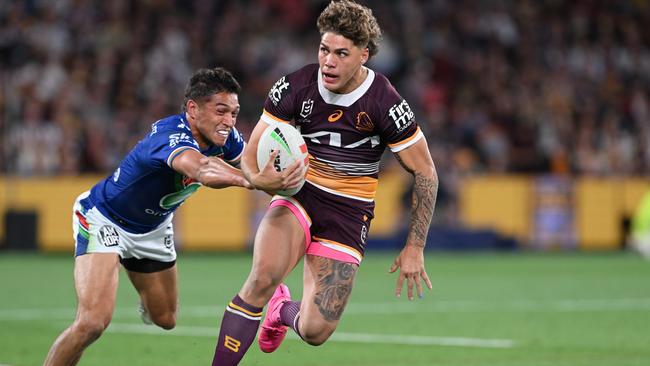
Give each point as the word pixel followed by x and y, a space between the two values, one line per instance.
pixel 353 21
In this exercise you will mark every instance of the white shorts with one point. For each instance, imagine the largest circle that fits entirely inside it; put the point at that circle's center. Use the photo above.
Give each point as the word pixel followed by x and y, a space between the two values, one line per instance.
pixel 94 233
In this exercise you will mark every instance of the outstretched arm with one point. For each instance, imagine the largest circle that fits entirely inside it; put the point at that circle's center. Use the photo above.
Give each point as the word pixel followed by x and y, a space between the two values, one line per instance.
pixel 416 159
pixel 209 171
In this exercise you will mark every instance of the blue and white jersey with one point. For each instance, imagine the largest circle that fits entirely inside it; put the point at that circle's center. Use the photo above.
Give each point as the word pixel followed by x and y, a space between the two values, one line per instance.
pixel 144 189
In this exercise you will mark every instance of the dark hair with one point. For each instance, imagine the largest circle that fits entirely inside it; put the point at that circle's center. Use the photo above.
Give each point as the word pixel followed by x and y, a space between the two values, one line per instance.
pixel 206 82
pixel 354 22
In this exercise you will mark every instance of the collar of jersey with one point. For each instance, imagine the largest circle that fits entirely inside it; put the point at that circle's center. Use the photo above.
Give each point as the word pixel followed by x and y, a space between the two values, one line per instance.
pixel 344 100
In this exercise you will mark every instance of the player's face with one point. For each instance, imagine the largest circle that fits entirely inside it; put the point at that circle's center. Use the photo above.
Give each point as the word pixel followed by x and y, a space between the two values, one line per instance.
pixel 215 118
pixel 340 63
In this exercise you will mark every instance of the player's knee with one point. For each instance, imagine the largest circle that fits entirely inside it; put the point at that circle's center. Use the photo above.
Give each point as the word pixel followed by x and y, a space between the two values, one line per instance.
pixel 264 283
pixel 91 328
pixel 166 320
pixel 316 337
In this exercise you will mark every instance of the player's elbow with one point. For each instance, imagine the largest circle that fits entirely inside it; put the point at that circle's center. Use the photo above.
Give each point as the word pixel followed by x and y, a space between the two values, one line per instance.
pixel 428 173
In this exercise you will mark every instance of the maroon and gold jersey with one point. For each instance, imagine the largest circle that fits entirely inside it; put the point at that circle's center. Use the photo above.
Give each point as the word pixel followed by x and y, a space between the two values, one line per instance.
pixel 346 134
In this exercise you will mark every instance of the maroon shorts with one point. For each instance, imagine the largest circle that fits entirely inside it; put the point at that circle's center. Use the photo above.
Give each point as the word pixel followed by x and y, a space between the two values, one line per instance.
pixel 335 227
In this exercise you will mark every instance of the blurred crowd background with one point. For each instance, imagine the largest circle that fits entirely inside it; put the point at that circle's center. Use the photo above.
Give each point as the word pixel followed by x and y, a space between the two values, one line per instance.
pixel 499 86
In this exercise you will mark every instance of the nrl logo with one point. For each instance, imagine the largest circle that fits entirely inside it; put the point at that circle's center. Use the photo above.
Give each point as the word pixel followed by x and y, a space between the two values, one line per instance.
pixel 307 107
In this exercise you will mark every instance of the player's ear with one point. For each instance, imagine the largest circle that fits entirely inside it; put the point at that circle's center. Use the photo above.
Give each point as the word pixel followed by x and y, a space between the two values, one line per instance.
pixel 364 55
pixel 192 108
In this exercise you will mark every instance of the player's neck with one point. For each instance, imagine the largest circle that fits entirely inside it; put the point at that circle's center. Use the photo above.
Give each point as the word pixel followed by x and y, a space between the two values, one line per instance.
pixel 355 81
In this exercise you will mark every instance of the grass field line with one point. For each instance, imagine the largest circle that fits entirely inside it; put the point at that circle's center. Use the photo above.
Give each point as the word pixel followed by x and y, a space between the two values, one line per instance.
pixel 406 307
pixel 412 340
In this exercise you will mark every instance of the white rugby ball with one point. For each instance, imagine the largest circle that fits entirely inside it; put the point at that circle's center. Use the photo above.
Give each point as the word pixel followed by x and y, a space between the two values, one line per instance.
pixel 288 141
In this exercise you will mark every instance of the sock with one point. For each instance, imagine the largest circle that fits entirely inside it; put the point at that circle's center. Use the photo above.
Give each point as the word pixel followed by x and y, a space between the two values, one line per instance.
pixel 290 315
pixel 238 329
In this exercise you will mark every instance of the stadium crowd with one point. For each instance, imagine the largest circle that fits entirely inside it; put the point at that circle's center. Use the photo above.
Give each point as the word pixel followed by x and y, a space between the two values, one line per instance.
pixel 498 86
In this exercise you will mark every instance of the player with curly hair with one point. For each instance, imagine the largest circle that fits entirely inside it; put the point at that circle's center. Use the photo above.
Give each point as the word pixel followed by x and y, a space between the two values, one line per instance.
pixel 348 114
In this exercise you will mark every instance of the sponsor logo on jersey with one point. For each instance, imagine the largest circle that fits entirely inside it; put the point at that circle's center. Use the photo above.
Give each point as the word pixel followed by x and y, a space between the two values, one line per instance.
pixel 153 212
pixel 184 126
pixel 108 236
pixel 177 138
pixel 401 114
pixel 169 201
pixel 307 107
pixel 238 137
pixel 364 123
pixel 279 89
pixel 334 139
pixel 335 116
pixel 116 175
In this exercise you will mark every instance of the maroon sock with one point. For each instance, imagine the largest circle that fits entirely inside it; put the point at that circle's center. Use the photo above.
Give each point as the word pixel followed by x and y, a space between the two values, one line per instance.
pixel 290 315
pixel 238 329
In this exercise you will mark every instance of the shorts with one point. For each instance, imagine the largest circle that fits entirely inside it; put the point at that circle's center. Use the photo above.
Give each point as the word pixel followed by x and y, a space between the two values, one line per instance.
pixel 335 227
pixel 95 233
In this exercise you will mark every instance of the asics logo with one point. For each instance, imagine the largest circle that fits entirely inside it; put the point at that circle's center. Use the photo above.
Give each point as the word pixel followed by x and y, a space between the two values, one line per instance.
pixel 335 116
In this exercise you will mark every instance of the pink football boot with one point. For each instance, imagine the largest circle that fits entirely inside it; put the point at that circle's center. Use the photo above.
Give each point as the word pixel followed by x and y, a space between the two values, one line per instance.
pixel 273 331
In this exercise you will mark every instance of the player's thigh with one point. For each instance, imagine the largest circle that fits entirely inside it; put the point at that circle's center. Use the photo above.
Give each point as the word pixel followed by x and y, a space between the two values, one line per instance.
pixel 158 290
pixel 279 243
pixel 96 280
pixel 327 287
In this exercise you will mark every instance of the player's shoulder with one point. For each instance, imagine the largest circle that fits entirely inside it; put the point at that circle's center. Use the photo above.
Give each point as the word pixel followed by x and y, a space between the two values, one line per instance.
pixel 382 93
pixel 294 83
pixel 176 122
pixel 382 87
pixel 300 79
pixel 305 75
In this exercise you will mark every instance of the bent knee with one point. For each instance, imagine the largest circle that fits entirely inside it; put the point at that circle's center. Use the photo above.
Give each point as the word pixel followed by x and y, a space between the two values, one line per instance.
pixel 263 283
pixel 91 328
pixel 165 320
pixel 318 336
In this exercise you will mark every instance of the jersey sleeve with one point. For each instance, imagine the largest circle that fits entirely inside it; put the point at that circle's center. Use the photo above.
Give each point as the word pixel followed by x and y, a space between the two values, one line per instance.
pixel 397 125
pixel 167 142
pixel 280 103
pixel 234 147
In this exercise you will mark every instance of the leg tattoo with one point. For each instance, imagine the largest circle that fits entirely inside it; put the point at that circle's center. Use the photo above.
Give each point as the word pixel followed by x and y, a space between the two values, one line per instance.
pixel 334 287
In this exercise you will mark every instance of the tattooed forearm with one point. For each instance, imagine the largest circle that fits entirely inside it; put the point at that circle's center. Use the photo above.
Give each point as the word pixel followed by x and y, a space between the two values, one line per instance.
pixel 334 285
pixel 423 203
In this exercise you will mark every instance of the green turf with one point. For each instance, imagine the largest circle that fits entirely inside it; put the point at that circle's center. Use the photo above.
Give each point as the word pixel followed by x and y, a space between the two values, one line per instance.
pixel 558 309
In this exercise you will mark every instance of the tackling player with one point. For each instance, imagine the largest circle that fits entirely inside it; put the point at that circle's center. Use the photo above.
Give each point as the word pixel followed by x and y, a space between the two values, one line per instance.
pixel 348 114
pixel 127 217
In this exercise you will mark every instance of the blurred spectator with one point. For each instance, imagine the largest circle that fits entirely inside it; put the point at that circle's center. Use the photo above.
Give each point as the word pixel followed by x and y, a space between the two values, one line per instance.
pixel 498 86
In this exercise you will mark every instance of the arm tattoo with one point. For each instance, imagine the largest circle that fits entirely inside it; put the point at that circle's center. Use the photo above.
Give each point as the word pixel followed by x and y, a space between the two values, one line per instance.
pixel 334 285
pixel 423 203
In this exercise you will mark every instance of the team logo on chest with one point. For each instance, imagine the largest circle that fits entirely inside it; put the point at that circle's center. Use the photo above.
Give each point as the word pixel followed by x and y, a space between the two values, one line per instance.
pixel 364 123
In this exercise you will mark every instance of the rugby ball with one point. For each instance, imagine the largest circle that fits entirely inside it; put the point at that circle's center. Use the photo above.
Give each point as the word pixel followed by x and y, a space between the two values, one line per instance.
pixel 291 146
